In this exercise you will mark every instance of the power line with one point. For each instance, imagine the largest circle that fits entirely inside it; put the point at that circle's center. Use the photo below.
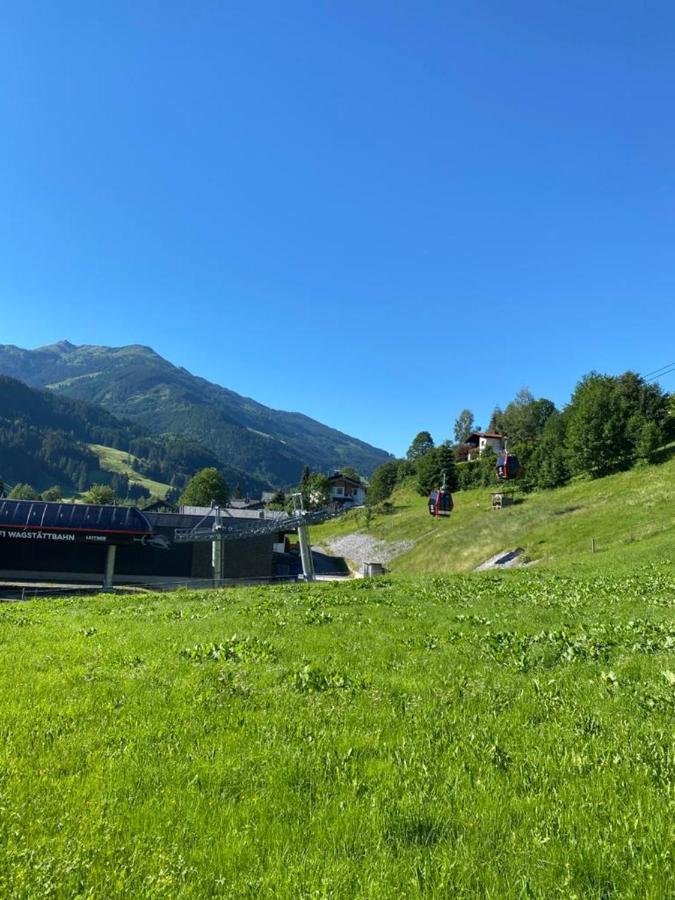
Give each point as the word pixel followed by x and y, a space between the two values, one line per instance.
pixel 662 374
pixel 657 372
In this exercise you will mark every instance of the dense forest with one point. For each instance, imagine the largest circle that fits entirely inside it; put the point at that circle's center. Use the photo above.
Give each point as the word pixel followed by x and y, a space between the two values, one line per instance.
pixel 44 440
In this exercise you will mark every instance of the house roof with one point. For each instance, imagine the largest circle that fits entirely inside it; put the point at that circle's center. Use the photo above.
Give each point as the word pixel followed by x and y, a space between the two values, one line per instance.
pixel 228 513
pixel 244 504
pixel 78 519
pixel 487 434
pixel 338 476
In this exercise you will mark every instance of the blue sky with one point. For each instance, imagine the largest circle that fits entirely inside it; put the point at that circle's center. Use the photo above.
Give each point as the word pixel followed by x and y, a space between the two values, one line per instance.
pixel 376 213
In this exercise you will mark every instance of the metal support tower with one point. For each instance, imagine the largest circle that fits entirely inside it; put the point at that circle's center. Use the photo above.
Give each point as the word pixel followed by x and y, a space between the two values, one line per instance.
pixel 109 573
pixel 218 532
pixel 303 538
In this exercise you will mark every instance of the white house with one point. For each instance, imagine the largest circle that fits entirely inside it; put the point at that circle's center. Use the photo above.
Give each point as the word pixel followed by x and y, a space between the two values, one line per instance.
pixel 479 441
pixel 346 490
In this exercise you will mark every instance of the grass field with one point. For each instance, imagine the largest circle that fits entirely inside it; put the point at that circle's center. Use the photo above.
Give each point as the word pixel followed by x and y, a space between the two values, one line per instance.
pixel 497 735
pixel 631 516
pixel 113 460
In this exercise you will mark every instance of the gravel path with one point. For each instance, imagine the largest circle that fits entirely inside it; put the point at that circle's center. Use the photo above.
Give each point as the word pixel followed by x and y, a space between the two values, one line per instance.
pixel 361 548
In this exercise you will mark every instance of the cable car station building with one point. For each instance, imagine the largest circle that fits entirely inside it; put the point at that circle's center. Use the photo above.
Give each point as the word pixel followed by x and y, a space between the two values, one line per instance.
pixel 86 543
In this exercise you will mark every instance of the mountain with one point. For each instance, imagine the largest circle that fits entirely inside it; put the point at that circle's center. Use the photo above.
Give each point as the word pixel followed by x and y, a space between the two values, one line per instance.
pixel 137 384
pixel 40 443
pixel 47 438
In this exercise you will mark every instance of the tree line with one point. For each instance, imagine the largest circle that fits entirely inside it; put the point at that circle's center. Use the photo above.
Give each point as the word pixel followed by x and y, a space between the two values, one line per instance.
pixel 610 423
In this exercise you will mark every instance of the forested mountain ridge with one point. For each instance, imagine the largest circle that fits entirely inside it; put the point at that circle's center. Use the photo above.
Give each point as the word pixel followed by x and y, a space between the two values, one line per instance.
pixel 43 442
pixel 45 438
pixel 136 383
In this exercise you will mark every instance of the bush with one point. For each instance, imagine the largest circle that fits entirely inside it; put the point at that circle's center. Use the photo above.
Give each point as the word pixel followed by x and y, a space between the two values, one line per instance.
pixel 100 494
pixel 52 494
pixel 23 492
pixel 468 475
pixel 384 480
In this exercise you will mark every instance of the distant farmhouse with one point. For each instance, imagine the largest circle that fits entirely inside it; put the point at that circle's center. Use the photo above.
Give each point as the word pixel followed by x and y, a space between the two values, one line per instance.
pixel 346 491
pixel 479 441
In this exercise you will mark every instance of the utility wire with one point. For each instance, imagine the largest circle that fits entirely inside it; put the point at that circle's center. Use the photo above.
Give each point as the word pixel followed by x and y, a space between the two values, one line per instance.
pixel 658 371
pixel 661 375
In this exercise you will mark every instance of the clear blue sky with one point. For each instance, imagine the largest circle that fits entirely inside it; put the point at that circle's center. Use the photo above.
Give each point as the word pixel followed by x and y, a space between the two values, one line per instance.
pixel 376 213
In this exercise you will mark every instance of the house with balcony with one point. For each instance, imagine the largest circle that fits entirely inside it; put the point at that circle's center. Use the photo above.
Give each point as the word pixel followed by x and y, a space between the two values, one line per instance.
pixel 346 491
pixel 479 441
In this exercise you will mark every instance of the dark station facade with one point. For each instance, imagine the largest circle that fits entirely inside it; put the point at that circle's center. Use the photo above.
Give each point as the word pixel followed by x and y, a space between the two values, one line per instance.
pixel 67 542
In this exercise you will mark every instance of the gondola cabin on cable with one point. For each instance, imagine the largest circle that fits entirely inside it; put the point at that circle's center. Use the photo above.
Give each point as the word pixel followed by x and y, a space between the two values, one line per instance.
pixel 440 503
pixel 507 466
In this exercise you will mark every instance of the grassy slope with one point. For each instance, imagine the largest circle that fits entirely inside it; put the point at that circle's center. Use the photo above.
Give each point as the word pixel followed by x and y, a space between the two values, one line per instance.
pixel 471 736
pixel 113 460
pixel 630 515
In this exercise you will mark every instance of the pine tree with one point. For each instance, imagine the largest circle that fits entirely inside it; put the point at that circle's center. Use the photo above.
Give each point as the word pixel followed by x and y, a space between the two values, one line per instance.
pixel 464 425
pixel 422 444
pixel 436 468
pixel 382 483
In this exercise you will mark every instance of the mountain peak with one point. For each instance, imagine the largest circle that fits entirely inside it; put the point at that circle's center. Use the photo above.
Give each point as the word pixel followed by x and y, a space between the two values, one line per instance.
pixel 59 347
pixel 135 383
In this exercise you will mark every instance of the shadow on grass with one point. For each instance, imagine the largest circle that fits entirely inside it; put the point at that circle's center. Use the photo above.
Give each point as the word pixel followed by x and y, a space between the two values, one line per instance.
pixel 566 510
pixel 664 454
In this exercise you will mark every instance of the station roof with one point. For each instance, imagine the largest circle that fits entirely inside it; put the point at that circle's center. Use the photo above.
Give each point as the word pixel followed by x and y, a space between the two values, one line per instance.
pixel 82 520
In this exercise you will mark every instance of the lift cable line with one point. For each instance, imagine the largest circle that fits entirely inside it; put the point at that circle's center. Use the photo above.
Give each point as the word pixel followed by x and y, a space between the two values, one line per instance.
pixel 661 375
pixel 657 371
pixel 665 371
pixel 218 531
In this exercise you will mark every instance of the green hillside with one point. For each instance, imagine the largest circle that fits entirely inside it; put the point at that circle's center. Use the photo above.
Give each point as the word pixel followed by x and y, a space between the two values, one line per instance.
pixel 267 445
pixel 47 438
pixel 44 438
pixel 454 736
pixel 631 517
pixel 119 461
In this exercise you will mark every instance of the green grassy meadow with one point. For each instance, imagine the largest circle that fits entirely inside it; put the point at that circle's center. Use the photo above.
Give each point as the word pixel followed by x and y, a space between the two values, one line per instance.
pixel 113 460
pixel 496 735
pixel 631 516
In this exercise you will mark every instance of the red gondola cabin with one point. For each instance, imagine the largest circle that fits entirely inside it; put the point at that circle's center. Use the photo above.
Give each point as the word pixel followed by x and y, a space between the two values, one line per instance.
pixel 440 503
pixel 507 467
